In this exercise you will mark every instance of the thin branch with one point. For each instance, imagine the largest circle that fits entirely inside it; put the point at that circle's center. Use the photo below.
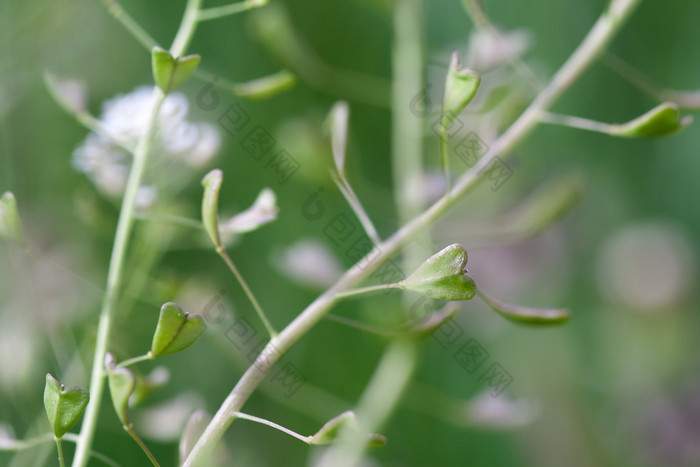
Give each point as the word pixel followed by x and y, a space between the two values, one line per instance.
pixel 593 44
pixel 575 122
pixel 357 208
pixel 140 34
pixel 228 10
pixel 170 219
pixel 249 293
pixel 142 445
pixel 252 418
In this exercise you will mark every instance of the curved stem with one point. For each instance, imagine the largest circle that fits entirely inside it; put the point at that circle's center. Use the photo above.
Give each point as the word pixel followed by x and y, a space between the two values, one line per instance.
pixel 575 122
pixel 20 445
pixel 274 425
pixel 121 243
pixel 249 293
pixel 114 281
pixel 370 289
pixel 355 204
pixel 388 383
pixel 142 445
pixel 593 44
pixel 140 358
pixel 228 10
pixel 116 10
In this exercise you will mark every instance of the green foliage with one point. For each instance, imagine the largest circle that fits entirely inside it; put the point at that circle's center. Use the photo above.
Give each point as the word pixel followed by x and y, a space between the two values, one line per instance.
pixel 443 276
pixel 64 405
pixel 10 222
pixel 176 330
pixel 121 385
pixel 210 205
pixel 662 120
pixel 171 72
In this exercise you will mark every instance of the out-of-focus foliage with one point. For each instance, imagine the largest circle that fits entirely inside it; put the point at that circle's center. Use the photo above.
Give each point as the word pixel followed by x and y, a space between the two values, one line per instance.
pixel 616 385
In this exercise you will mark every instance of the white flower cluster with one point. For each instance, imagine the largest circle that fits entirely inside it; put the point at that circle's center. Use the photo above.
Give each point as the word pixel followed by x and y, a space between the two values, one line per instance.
pixel 124 119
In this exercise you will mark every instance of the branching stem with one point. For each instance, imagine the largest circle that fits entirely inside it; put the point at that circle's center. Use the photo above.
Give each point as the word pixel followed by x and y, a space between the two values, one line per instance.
pixel 591 47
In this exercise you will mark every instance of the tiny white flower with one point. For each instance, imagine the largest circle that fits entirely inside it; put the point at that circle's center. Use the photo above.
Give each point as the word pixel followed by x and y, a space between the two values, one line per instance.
pixel 263 211
pixel 489 48
pixel 178 143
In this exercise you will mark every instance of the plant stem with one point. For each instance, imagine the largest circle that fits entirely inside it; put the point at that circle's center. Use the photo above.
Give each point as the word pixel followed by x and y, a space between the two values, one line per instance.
pixel 227 10
pixel 575 122
pixel 354 202
pixel 274 425
pixel 268 325
pixel 61 460
pixel 370 289
pixel 187 27
pixel 170 219
pixel 116 10
pixel 592 45
pixel 142 445
pixel 121 243
pixel 378 401
pixel 20 445
pixel 114 280
pixel 400 358
pixel 140 358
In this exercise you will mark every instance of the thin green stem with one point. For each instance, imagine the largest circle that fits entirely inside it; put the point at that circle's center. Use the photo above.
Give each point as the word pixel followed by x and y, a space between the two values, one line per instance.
pixel 227 10
pixel 575 122
pixel 687 99
pixel 444 158
pixel 170 219
pixel 476 12
pixel 121 241
pixel 370 289
pixel 593 44
pixel 140 358
pixel 116 10
pixel 354 202
pixel 114 281
pixel 378 401
pixel 359 325
pixel 400 358
pixel 142 445
pixel 249 293
pixel 20 445
pixel 61 459
pixel 187 27
pixel 252 418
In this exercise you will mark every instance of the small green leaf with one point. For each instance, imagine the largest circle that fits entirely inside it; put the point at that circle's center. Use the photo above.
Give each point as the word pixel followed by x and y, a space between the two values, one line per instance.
pixel 527 315
pixel 267 86
pixel 460 87
pixel 121 385
pixel 169 72
pixel 176 330
pixel 64 406
pixel 210 205
pixel 443 276
pixel 332 429
pixel 10 222
pixel 662 120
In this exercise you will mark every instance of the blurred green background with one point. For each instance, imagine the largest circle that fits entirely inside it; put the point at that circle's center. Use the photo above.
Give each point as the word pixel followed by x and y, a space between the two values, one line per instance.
pixel 616 386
